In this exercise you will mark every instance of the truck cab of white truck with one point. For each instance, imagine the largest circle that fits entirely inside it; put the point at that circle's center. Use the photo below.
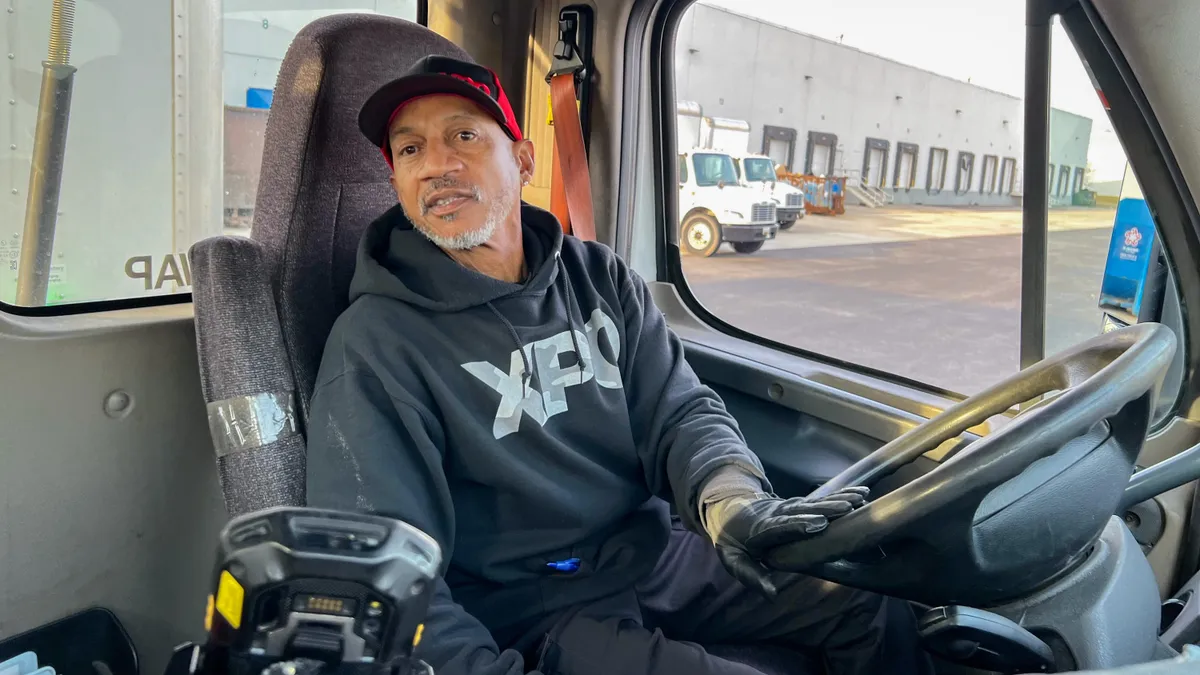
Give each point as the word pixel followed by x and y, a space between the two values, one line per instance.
pixel 758 172
pixel 718 208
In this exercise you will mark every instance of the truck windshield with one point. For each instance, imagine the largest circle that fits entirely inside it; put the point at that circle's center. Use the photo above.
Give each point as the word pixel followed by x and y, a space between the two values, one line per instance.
pixel 759 170
pixel 712 168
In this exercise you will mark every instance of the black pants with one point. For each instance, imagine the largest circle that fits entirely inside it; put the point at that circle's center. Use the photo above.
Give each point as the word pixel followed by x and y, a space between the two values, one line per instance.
pixel 689 599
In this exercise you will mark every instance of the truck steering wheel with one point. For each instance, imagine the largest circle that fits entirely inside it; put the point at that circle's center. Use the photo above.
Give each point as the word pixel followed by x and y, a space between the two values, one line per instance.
pixel 1013 509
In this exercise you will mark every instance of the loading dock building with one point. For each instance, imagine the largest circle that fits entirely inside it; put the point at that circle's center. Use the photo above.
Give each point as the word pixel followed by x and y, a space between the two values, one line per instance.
pixel 824 108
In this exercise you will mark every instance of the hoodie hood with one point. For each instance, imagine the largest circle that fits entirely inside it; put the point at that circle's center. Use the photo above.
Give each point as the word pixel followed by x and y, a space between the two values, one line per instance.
pixel 395 260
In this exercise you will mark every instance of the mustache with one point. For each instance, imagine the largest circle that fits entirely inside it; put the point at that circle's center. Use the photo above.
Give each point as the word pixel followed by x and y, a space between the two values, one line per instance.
pixel 454 186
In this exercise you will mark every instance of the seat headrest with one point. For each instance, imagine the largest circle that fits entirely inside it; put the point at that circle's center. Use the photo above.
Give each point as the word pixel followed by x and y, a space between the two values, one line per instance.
pixel 321 181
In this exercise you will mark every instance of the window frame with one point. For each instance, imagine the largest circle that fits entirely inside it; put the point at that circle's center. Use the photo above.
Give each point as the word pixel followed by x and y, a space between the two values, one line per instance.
pixel 1165 187
pixel 138 302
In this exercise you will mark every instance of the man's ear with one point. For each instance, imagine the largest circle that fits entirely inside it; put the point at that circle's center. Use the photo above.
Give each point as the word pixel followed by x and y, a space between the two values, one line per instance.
pixel 523 150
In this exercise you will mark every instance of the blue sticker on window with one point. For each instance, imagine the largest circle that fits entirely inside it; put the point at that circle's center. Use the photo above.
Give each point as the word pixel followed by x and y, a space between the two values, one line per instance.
pixel 259 98
pixel 1129 257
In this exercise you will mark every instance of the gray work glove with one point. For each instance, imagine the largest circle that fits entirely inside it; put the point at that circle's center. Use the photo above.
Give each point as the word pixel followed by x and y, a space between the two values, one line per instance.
pixel 746 525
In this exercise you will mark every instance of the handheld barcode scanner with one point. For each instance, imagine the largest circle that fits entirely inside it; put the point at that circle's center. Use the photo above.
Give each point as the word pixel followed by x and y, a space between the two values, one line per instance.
pixel 302 590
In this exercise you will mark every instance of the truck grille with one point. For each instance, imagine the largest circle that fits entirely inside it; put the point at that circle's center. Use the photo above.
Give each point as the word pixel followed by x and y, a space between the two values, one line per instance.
pixel 763 213
pixel 795 200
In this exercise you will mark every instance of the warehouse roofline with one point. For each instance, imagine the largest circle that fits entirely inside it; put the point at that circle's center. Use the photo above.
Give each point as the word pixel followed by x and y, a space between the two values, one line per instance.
pixel 856 49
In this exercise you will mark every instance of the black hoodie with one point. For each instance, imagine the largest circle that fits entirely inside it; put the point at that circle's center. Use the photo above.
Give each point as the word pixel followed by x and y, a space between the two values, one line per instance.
pixel 533 429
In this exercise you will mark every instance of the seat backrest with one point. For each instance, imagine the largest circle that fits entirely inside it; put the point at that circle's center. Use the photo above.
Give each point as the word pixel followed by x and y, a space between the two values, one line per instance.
pixel 264 306
pixel 322 182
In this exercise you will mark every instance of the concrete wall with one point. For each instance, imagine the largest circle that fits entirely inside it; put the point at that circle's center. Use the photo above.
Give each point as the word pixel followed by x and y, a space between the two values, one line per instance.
pixel 745 68
pixel 1070 135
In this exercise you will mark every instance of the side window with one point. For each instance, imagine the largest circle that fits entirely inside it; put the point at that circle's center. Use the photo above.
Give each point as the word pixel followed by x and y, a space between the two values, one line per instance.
pixel 141 177
pixel 683 169
pixel 880 280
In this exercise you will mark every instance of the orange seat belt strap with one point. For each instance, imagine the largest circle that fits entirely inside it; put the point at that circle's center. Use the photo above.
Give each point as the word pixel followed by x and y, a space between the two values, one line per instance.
pixel 570 182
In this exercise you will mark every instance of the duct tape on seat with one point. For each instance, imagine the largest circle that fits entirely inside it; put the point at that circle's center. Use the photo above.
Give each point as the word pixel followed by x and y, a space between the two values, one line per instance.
pixel 248 422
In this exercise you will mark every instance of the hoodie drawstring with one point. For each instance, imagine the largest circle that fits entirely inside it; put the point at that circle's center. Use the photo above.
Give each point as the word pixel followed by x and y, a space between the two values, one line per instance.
pixel 571 306
pixel 526 370
pixel 571 309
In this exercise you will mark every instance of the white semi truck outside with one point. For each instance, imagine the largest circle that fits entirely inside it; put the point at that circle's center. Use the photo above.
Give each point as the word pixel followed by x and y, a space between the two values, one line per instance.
pixel 758 171
pixel 732 136
pixel 714 205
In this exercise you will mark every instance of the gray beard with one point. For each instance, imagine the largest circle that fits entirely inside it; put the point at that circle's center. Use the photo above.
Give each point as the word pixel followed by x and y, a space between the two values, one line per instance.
pixel 498 211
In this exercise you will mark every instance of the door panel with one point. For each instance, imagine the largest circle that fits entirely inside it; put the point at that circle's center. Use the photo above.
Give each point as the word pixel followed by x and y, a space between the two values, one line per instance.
pixel 778 151
pixel 820 160
pixel 875 168
pixel 117 511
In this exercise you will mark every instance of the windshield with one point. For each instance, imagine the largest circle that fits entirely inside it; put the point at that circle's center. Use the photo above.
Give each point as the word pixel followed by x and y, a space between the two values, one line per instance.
pixel 759 170
pixel 712 168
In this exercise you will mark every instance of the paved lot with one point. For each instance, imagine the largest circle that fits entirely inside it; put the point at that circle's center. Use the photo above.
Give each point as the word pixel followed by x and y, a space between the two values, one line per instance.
pixel 932 294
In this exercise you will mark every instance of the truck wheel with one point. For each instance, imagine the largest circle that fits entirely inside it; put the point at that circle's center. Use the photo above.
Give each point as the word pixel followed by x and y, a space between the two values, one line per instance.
pixel 700 235
pixel 748 246
pixel 786 225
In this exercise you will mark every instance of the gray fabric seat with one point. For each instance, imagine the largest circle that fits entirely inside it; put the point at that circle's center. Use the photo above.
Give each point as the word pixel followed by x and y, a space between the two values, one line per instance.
pixel 264 305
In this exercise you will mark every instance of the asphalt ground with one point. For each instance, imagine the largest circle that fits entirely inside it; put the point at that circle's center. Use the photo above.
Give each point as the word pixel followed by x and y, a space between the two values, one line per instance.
pixel 930 294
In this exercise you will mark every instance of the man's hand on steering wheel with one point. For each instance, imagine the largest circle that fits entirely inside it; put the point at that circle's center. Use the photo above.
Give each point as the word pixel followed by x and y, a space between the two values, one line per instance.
pixel 745 526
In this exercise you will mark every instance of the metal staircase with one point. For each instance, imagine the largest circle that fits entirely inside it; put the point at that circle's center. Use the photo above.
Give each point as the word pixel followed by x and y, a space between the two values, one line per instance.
pixel 867 195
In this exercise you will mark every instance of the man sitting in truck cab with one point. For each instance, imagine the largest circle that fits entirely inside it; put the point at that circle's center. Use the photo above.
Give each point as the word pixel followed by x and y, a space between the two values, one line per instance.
pixel 517 395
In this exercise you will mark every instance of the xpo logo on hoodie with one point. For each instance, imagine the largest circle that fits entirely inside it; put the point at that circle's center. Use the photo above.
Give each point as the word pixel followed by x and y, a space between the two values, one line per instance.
pixel 591 365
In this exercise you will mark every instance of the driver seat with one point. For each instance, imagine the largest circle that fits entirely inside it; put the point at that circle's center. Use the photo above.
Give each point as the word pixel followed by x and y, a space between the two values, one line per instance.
pixel 264 305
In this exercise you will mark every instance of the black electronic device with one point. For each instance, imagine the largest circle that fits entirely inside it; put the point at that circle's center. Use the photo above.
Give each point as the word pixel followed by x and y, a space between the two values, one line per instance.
pixel 301 590
pixel 983 640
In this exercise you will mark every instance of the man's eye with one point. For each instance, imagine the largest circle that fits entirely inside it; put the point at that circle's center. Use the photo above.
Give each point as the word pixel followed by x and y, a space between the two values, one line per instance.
pixel 466 135
pixel 408 150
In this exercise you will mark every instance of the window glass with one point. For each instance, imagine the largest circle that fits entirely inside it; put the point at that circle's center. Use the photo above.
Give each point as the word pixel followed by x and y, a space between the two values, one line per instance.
pixel 683 169
pixel 145 169
pixel 713 169
pixel 925 283
pixel 759 170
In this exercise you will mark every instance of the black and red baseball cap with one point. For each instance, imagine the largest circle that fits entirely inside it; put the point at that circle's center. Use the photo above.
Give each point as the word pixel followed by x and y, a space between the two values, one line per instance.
pixel 436 75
